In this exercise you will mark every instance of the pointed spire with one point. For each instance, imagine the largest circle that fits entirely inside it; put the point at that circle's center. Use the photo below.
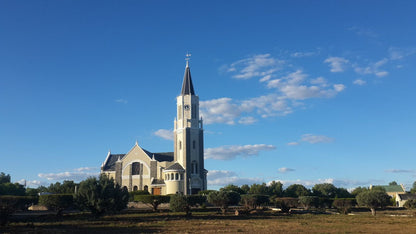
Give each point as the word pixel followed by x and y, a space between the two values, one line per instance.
pixel 187 86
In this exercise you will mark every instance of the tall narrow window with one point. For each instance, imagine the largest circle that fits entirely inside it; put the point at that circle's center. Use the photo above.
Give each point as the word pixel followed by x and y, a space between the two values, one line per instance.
pixel 180 145
pixel 193 144
pixel 135 168
pixel 179 112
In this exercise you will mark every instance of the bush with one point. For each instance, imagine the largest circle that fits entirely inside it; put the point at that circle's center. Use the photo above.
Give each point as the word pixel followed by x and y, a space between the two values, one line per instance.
pixel 286 203
pixel 10 204
pixel 138 192
pixel 344 205
pixel 153 200
pixel 373 199
pixel 179 202
pixel 251 201
pixel 309 201
pixel 101 196
pixel 57 202
pixel 410 204
pixel 223 199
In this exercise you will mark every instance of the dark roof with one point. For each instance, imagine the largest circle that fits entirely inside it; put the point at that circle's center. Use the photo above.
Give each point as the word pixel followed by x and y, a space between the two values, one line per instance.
pixel 160 157
pixel 175 166
pixel 407 196
pixel 187 86
pixel 111 162
pixel 158 181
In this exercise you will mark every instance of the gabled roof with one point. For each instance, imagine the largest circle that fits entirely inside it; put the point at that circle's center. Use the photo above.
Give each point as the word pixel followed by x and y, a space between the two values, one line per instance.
pixel 392 188
pixel 187 86
pixel 110 164
pixel 175 167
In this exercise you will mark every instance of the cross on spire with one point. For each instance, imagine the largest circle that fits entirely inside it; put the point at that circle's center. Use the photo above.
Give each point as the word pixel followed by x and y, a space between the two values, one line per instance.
pixel 188 57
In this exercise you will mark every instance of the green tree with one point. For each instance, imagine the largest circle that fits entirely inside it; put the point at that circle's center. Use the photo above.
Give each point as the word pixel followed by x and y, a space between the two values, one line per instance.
pixel 413 190
pixel 4 178
pixel 410 204
pixel 152 200
pixel 251 201
pixel 233 188
pixel 296 190
pixel 276 189
pixel 223 199
pixel 179 202
pixel 259 189
pixel 358 190
pixel 309 201
pixel 56 202
pixel 373 200
pixel 15 189
pixel 245 188
pixel 324 190
pixel 393 183
pixel 101 196
pixel 344 205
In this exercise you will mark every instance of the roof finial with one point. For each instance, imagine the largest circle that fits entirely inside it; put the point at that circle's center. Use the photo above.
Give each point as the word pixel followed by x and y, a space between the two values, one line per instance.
pixel 188 57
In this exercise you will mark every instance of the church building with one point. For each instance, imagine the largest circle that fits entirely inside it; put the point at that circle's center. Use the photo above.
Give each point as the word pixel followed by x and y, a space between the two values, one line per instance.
pixel 181 171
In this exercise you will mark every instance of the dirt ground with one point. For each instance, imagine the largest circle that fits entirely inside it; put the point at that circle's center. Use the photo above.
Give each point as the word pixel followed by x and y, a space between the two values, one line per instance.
pixel 136 221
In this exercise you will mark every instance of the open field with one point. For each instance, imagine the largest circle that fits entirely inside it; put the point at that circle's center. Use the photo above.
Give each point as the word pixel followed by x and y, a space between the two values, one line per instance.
pixel 212 222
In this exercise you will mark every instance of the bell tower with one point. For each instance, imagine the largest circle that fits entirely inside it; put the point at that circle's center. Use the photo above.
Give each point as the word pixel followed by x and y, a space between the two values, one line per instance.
pixel 188 136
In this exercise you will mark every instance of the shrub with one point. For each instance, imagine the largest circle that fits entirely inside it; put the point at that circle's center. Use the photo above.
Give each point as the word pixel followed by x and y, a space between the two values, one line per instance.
pixel 223 199
pixel 373 199
pixel 101 196
pixel 309 201
pixel 251 201
pixel 10 204
pixel 286 203
pixel 56 202
pixel 153 200
pixel 344 205
pixel 410 204
pixel 179 202
pixel 138 192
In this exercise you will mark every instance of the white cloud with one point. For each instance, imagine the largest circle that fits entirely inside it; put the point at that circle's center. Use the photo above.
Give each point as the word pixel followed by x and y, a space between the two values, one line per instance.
pixel 396 53
pixel 359 82
pixel 400 171
pixel 363 32
pixel 120 100
pixel 247 120
pixel 223 178
pixel 232 151
pixel 372 68
pixel 313 139
pixel 260 65
pixel 339 87
pixel 165 134
pixel 293 143
pixel 285 170
pixel 319 81
pixel 75 175
pixel 337 64
pixel 302 54
pixel 30 183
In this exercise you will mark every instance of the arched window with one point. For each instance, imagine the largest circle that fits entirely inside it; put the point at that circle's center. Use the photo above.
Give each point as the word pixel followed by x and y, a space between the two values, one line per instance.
pixel 146 188
pixel 168 176
pixel 135 168
pixel 176 176
pixel 135 188
pixel 171 176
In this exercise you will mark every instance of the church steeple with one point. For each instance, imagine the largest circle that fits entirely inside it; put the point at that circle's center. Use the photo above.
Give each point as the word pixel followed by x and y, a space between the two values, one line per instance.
pixel 187 86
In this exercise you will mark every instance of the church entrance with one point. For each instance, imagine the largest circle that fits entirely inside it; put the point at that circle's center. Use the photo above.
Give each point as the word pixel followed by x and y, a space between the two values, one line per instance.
pixel 156 191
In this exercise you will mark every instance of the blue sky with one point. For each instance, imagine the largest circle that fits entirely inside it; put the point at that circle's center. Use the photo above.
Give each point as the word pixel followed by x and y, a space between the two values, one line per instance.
pixel 296 91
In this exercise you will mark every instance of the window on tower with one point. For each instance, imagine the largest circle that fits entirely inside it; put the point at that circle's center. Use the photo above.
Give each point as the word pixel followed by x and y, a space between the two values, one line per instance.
pixel 193 144
pixel 179 112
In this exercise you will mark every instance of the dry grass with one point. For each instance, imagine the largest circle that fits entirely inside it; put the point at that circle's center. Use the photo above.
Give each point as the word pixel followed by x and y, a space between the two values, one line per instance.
pixel 212 222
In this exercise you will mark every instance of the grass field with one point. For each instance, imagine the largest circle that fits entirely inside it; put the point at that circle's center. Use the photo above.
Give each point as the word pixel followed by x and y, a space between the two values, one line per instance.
pixel 213 222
